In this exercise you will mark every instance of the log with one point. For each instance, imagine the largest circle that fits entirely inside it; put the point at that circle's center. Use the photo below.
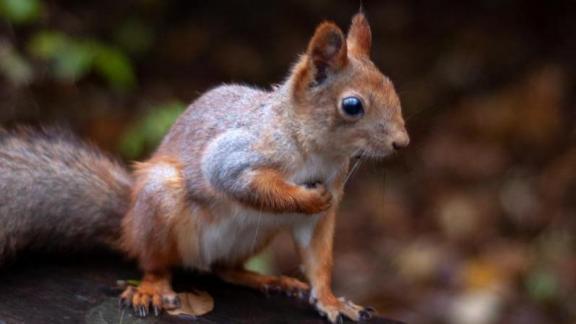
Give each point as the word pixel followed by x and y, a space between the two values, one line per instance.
pixel 76 290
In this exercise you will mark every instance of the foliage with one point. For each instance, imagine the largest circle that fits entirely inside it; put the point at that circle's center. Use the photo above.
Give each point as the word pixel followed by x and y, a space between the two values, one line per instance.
pixel 69 58
pixel 20 11
pixel 147 132
pixel 261 263
pixel 14 66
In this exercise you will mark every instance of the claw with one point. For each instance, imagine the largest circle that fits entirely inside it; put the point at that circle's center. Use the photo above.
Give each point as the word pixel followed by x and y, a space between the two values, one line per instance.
pixel 265 289
pixel 177 302
pixel 123 303
pixel 156 310
pixel 171 302
pixel 269 290
pixel 126 297
pixel 365 315
pixel 303 295
pixel 340 319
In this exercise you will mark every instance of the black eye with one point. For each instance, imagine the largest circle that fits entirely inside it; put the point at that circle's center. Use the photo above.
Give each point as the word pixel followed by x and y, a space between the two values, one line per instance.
pixel 352 106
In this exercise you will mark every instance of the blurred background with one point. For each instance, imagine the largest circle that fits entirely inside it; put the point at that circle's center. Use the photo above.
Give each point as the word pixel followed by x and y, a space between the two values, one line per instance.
pixel 474 223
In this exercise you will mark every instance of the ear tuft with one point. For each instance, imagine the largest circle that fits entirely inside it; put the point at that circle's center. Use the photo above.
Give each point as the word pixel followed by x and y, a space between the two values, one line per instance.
pixel 359 36
pixel 327 50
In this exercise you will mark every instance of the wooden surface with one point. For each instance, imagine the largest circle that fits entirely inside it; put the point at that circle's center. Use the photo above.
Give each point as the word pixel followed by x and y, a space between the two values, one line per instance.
pixel 83 290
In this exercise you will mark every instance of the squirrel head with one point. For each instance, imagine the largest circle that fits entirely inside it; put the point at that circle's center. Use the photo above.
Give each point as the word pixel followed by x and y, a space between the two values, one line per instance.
pixel 342 102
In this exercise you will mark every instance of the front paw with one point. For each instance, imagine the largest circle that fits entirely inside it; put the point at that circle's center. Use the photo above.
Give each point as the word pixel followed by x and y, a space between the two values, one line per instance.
pixel 314 199
pixel 335 309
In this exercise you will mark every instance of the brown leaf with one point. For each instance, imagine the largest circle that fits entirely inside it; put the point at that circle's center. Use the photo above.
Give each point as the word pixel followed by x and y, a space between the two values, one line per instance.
pixel 194 303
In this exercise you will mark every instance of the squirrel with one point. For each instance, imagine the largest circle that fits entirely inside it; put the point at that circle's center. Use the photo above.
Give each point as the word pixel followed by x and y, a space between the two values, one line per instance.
pixel 238 166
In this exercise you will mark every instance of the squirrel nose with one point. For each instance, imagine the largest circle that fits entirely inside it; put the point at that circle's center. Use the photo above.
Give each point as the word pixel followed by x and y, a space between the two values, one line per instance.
pixel 401 141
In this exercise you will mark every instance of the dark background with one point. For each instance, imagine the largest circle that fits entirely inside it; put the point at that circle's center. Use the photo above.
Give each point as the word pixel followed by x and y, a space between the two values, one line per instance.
pixel 474 223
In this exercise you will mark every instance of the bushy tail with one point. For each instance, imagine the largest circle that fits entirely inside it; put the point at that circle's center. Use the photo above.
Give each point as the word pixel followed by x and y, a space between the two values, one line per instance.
pixel 57 193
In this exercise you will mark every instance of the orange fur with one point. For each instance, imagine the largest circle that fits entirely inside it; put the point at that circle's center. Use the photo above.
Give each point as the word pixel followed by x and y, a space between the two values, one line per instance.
pixel 273 193
pixel 263 282
pixel 152 240
pixel 326 53
pixel 360 36
pixel 317 261
pixel 317 257
pixel 327 46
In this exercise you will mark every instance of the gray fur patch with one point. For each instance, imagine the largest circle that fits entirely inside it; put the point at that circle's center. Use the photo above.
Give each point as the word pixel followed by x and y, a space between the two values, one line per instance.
pixel 227 160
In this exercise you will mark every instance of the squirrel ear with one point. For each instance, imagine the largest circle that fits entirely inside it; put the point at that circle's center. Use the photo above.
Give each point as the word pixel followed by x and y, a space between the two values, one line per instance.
pixel 327 50
pixel 359 36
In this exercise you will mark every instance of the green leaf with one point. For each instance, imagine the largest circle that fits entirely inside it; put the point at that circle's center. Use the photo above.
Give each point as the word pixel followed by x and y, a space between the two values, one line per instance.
pixel 115 67
pixel 71 58
pixel 542 285
pixel 261 263
pixel 74 61
pixel 14 66
pixel 147 132
pixel 134 36
pixel 20 11
pixel 46 44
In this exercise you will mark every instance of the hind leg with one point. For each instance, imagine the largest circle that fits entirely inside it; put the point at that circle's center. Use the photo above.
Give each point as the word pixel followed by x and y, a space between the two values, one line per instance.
pixel 266 283
pixel 159 207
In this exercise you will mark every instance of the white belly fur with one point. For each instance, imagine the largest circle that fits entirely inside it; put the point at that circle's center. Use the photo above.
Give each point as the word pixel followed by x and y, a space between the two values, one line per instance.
pixel 238 232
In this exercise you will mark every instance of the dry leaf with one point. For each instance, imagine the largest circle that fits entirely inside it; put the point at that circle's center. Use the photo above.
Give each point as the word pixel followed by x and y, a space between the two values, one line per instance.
pixel 194 303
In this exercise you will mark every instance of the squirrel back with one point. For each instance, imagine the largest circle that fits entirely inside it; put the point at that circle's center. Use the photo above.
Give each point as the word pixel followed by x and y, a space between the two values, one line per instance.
pixel 57 193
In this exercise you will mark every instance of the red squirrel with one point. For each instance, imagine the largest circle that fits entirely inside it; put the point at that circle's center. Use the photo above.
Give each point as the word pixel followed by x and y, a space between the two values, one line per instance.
pixel 238 166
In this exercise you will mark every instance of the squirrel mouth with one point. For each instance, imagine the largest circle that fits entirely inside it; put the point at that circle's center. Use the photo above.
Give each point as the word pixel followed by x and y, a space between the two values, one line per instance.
pixel 371 155
pixel 358 154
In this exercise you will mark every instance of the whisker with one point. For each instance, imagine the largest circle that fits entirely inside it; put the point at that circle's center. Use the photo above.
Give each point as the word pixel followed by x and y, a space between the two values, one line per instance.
pixel 355 166
pixel 253 245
